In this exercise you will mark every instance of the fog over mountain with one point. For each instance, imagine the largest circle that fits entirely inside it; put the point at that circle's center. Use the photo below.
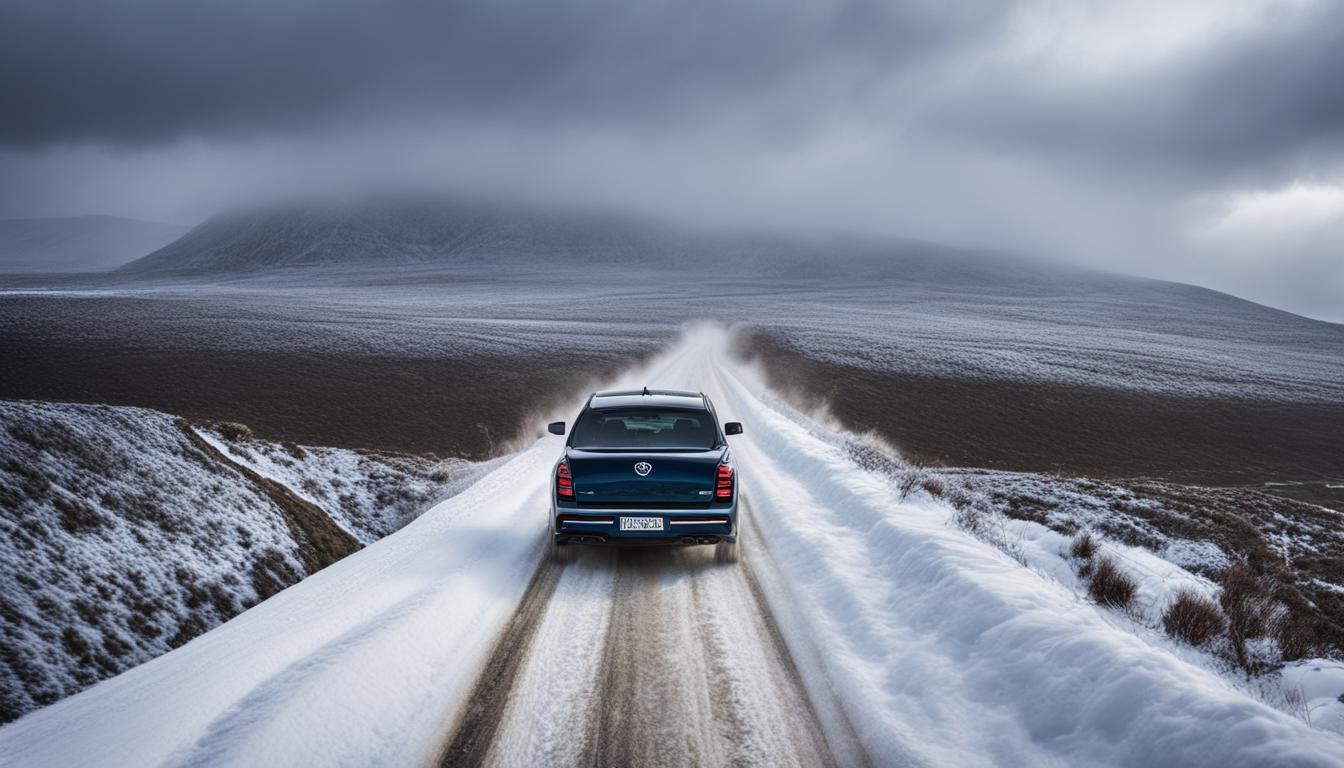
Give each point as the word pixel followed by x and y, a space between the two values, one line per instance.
pixel 79 243
pixel 429 233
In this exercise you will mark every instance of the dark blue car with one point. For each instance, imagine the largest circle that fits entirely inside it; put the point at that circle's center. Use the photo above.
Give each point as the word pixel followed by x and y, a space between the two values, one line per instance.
pixel 645 467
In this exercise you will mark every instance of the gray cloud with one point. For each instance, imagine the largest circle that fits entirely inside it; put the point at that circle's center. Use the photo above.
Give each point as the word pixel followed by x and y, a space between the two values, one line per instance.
pixel 1258 101
pixel 918 118
pixel 147 71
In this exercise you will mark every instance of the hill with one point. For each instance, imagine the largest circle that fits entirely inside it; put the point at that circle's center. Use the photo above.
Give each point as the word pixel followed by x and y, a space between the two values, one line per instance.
pixel 125 532
pixel 427 236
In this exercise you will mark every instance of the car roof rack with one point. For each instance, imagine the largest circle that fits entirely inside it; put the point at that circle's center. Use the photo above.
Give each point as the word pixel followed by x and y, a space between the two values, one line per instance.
pixel 647 390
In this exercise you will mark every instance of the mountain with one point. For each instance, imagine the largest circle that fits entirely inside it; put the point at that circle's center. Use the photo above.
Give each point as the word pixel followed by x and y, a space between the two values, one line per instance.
pixel 420 235
pixel 79 243
pixel 381 235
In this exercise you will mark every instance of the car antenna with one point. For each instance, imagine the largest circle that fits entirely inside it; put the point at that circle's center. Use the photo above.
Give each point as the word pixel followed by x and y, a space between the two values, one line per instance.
pixel 646 389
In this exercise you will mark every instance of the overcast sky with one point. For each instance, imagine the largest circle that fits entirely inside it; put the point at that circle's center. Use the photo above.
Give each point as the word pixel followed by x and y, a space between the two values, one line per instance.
pixel 1198 140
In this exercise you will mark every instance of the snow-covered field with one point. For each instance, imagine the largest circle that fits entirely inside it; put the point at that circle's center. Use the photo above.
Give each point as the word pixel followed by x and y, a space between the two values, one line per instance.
pixel 928 645
pixel 121 538
pixel 1105 332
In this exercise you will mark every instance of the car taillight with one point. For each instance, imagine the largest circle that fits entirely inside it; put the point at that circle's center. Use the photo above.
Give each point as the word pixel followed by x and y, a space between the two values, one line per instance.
pixel 564 483
pixel 723 483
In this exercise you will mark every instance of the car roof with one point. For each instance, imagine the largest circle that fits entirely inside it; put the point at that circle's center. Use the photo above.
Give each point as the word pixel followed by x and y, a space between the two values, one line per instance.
pixel 655 398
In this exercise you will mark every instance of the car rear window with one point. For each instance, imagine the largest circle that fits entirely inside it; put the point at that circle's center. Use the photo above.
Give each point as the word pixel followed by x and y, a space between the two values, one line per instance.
pixel 645 428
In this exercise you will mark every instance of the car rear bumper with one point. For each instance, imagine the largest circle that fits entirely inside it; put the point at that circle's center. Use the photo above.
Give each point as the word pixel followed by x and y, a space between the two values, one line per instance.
pixel 700 526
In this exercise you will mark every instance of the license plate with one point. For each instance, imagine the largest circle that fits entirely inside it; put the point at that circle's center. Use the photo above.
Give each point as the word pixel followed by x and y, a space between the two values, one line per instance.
pixel 641 523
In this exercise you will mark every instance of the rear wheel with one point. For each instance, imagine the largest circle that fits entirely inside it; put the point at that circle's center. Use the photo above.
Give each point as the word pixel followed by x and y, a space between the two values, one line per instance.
pixel 726 552
pixel 559 553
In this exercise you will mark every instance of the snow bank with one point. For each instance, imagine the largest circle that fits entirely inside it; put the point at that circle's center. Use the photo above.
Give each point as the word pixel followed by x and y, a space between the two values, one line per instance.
pixel 363 663
pixel 944 651
pixel 1317 683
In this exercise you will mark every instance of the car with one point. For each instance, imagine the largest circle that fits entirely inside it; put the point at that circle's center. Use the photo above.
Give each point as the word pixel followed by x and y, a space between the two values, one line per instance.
pixel 648 466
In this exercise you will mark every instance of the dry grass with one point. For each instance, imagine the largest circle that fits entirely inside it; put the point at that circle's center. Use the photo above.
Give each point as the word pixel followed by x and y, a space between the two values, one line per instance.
pixel 1084 546
pixel 233 431
pixel 971 515
pixel 1248 602
pixel 1192 617
pixel 1110 585
pixel 910 478
pixel 1294 633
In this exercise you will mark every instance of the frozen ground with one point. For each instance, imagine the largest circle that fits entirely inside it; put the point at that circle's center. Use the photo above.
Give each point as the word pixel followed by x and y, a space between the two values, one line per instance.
pixel 1097 331
pixel 914 642
pixel 1103 376
pixel 121 537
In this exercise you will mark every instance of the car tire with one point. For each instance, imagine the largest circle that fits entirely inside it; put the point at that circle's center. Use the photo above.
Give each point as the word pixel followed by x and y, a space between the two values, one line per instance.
pixel 726 551
pixel 558 553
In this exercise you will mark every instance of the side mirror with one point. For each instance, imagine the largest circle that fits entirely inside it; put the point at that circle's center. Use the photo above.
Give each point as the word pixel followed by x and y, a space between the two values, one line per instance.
pixel 556 427
pixel 732 428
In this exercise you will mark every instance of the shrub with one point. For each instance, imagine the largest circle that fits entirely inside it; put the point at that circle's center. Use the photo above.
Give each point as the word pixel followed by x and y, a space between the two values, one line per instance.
pixel 959 498
pixel 973 519
pixel 233 431
pixel 1110 585
pixel 1193 618
pixel 1084 546
pixel 933 486
pixel 1295 635
pixel 910 478
pixel 1248 602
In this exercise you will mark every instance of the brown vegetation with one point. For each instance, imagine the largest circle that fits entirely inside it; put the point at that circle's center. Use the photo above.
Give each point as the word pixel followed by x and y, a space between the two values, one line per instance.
pixel 1110 585
pixel 1084 546
pixel 1192 617
pixel 233 431
pixel 1249 607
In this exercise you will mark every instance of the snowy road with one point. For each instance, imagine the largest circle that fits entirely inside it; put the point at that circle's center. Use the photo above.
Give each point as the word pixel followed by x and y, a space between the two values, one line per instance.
pixel 656 657
pixel 857 617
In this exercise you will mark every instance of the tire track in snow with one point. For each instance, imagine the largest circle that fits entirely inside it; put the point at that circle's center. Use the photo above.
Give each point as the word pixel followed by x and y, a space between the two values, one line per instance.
pixel 651 657
pixel 690 675
pixel 475 732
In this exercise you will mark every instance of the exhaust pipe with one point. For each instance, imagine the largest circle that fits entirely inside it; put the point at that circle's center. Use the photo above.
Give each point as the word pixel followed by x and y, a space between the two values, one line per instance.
pixel 709 539
pixel 689 540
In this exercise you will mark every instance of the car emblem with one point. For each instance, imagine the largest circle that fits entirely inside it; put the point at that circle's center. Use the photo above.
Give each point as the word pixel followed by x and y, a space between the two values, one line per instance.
pixel 643 468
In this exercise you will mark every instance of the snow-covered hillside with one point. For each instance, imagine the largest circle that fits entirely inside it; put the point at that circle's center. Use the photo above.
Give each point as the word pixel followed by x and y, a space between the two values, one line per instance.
pixel 927 645
pixel 319 240
pixel 124 533
pixel 368 494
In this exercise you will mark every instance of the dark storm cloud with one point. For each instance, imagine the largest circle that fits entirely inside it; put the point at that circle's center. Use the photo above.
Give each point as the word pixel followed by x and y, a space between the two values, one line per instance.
pixel 147 71
pixel 1264 99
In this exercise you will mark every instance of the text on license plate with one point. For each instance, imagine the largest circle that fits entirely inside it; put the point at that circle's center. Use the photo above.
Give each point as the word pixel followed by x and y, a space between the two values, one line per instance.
pixel 641 523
